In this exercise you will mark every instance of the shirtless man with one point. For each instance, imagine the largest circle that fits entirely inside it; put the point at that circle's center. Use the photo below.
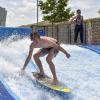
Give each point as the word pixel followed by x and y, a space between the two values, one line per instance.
pixel 48 46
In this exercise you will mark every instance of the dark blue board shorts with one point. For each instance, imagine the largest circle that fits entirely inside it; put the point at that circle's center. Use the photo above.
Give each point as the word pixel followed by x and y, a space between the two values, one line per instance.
pixel 45 51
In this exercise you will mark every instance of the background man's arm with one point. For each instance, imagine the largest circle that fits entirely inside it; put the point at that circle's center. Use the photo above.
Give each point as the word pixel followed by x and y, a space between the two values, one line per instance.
pixel 72 19
pixel 82 19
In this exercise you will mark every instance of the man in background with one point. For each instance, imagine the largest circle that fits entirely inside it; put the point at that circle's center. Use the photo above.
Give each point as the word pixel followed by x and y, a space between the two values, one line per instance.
pixel 78 19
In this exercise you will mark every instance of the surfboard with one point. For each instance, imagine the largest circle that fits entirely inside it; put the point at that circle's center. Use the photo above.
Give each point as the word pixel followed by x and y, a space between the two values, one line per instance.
pixel 47 82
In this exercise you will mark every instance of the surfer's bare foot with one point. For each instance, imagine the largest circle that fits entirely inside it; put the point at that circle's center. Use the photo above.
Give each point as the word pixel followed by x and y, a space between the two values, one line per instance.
pixel 55 82
pixel 39 75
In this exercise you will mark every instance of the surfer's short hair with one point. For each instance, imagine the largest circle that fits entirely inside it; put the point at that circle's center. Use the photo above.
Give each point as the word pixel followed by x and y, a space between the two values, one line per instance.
pixel 34 34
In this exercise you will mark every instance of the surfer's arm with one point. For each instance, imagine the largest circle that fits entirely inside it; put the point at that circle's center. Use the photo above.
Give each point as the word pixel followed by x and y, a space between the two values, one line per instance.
pixel 28 57
pixel 64 51
pixel 61 49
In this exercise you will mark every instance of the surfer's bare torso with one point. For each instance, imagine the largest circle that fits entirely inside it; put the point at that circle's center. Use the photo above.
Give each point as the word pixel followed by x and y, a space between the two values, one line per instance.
pixel 45 42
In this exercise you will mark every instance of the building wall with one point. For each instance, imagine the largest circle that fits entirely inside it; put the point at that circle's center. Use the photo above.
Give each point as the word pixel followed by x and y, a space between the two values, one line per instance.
pixel 94 31
pixel 3 14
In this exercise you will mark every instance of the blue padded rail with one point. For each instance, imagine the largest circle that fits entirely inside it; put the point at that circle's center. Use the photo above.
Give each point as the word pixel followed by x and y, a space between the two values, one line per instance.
pixel 5 92
pixel 6 32
pixel 95 48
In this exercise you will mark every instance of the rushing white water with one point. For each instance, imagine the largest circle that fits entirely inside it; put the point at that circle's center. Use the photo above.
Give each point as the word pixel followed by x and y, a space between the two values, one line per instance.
pixel 81 72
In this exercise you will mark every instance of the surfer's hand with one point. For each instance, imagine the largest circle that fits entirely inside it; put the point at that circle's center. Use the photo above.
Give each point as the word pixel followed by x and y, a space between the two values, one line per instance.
pixel 22 69
pixel 21 72
pixel 68 55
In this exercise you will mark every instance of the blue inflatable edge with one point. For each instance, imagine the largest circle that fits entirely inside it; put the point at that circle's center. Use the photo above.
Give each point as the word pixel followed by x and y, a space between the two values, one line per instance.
pixel 6 32
pixel 90 48
pixel 8 89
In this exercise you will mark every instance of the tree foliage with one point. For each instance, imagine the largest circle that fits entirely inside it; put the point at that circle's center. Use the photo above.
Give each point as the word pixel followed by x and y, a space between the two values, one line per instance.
pixel 99 11
pixel 55 10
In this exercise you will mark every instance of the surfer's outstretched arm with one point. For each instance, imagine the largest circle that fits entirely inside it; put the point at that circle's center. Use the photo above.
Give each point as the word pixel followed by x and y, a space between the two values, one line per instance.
pixel 64 51
pixel 29 56
pixel 61 49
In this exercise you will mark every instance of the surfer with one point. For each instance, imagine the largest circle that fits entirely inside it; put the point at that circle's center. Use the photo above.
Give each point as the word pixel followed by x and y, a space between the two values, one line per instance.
pixel 49 46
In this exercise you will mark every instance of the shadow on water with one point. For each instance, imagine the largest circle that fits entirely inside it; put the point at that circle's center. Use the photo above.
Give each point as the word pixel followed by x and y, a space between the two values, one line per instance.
pixel 61 95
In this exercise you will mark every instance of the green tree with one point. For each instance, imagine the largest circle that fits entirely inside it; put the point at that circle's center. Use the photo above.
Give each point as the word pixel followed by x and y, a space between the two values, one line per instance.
pixel 55 10
pixel 99 11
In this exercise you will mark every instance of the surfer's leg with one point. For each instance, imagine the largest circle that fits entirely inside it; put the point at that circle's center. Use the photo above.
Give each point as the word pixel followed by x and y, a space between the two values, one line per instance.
pixel 38 62
pixel 51 65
